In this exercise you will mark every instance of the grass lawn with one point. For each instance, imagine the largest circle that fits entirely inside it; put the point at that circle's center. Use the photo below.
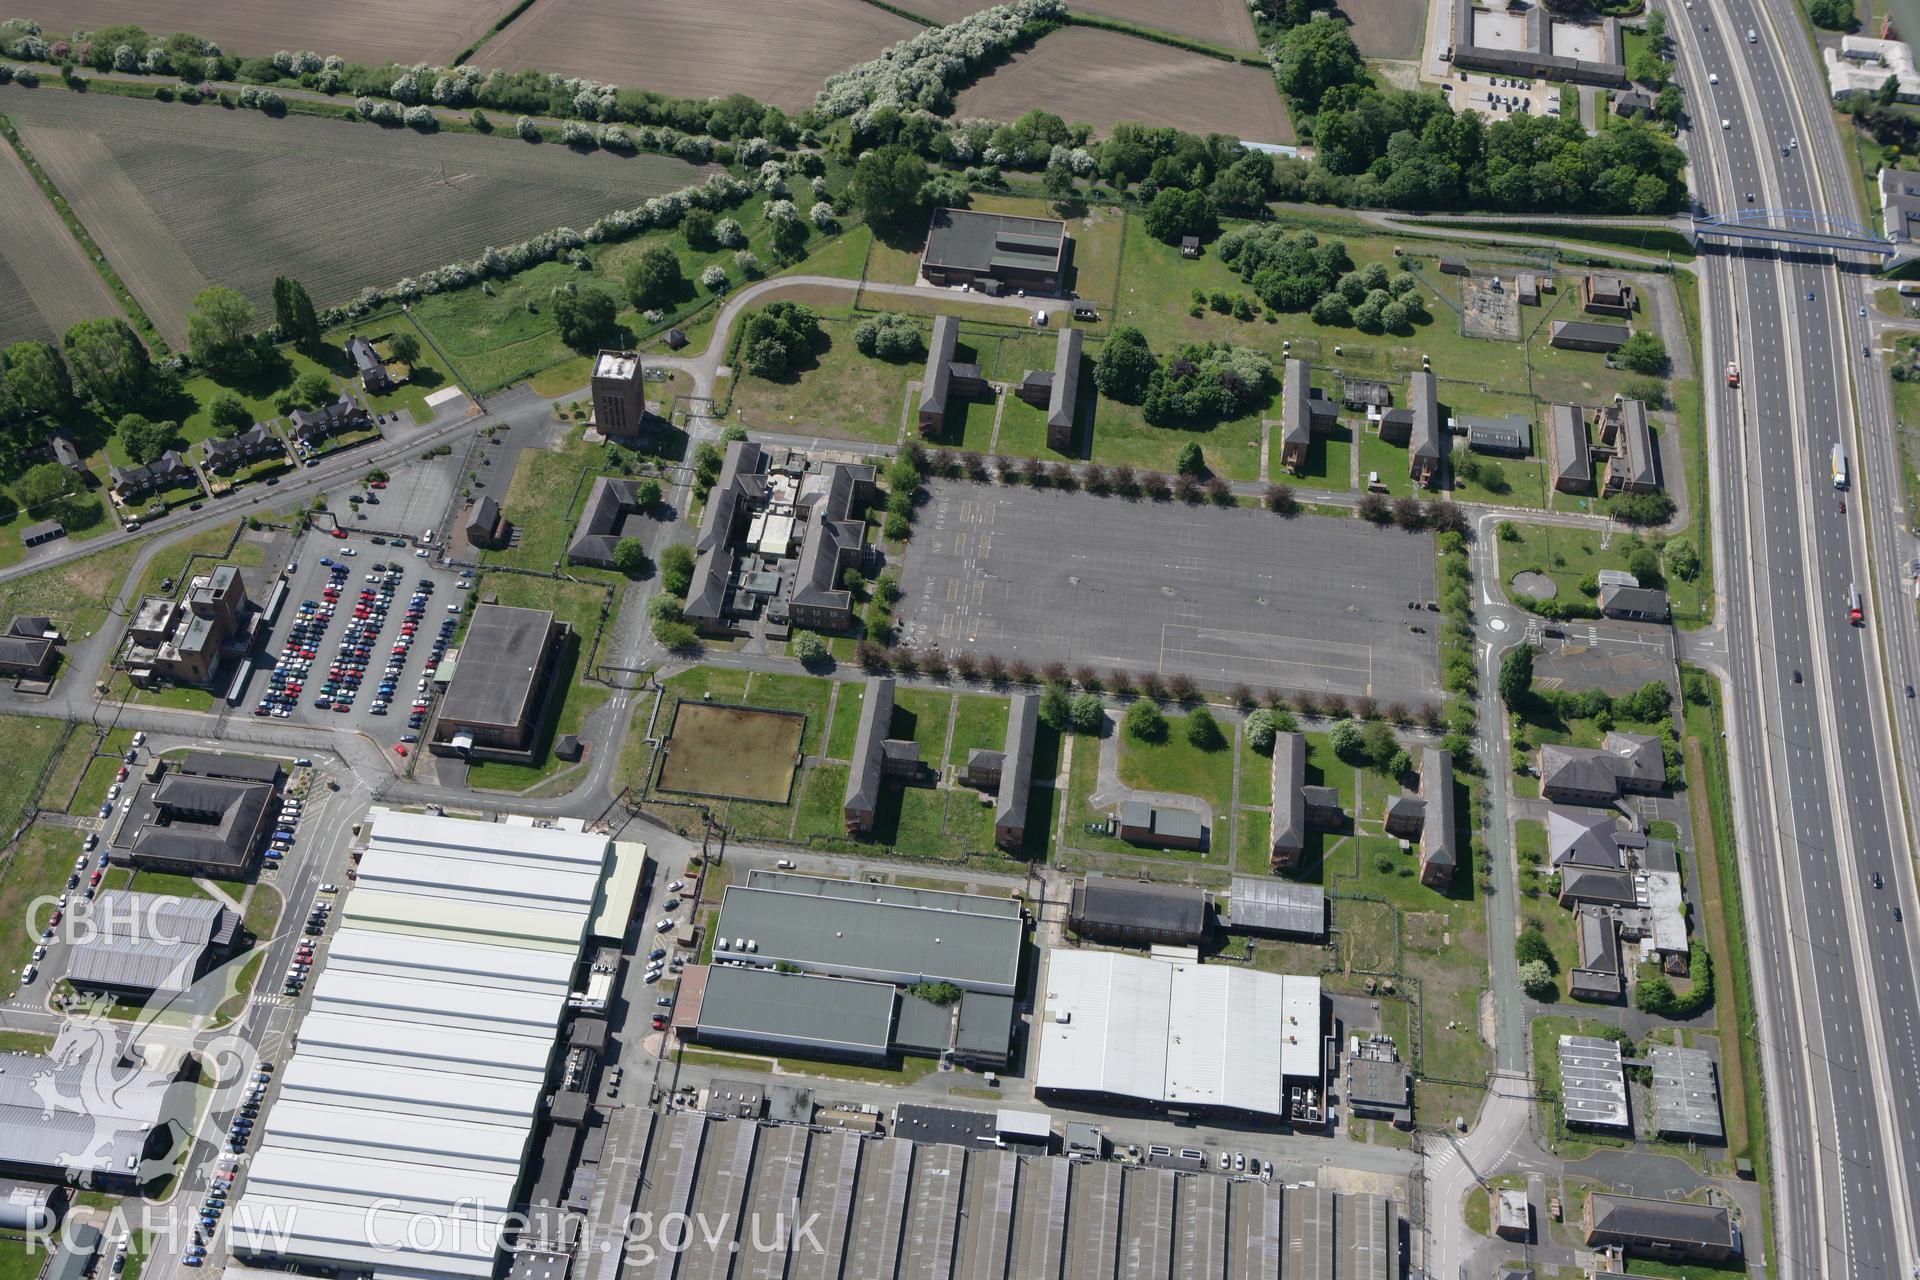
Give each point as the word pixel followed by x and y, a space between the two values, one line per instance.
pixel 821 797
pixel 848 698
pixel 698 683
pixel 1023 431
pixel 1570 555
pixel 39 864
pixel 1121 433
pixel 83 516
pixel 34 742
pixel 806 694
pixel 921 714
pixel 167 884
pixel 579 605
pixel 1256 773
pixel 544 499
pixel 1177 765
pixel 1517 482
pixel 978 721
pixel 23 1042
pixel 1252 849
pixel 75 594
pixel 842 393
pixel 1328 464
pixel 100 772
pixel 198 554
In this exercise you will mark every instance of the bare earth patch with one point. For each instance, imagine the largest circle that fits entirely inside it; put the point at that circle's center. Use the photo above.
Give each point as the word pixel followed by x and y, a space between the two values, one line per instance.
pixel 371 31
pixel 57 286
pixel 179 197
pixel 780 51
pixel 740 752
pixel 1103 77
pixel 1385 28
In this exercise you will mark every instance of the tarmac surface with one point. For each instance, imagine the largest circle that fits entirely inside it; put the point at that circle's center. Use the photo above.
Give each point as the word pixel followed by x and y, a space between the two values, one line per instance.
pixel 1226 596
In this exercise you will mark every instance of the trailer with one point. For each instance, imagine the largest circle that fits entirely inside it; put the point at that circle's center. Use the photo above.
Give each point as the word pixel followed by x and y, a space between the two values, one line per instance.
pixel 1839 467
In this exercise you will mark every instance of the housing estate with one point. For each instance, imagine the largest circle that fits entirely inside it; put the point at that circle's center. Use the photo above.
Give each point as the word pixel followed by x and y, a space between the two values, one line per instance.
pixel 311 426
pixel 502 684
pixel 995 252
pixel 164 472
pixel 256 442
pixel 368 366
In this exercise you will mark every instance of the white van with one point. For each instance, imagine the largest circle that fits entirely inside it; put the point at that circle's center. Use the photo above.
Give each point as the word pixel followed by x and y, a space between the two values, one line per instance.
pixel 1753 37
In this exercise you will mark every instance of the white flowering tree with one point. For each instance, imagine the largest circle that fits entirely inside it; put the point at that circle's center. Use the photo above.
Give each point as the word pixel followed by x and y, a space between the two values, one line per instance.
pixel 781 211
pixel 421 118
pixel 714 278
pixel 405 88
pixel 748 263
pixel 922 72
pixel 575 134
pixel 728 233
pixel 527 129
pixel 822 216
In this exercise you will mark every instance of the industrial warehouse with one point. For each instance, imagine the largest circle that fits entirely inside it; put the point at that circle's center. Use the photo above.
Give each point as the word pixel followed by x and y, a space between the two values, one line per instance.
pixel 824 968
pixel 423 1061
pixel 1189 1039
pixel 884 1207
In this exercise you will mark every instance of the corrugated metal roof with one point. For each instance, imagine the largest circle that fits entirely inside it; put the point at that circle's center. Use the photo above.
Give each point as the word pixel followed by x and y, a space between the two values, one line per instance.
pixel 351 1131
pixel 450 1004
pixel 484 921
pixel 498 964
pixel 405 1090
pixel 979 904
pixel 349 1180
pixel 486 1053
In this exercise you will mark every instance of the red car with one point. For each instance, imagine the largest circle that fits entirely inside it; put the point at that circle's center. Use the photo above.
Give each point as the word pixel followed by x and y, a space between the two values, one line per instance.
pixel 121 776
pixel 399 749
pixel 95 879
pixel 339 533
pixel 659 1023
pixel 376 484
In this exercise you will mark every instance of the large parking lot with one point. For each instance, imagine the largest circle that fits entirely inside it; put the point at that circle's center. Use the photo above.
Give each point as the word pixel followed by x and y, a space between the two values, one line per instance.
pixel 358 615
pixel 1224 596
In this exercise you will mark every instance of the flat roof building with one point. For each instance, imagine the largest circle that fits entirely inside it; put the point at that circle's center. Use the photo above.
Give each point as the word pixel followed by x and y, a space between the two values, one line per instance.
pixel 501 686
pixel 1138 912
pixel 995 252
pixel 807 1013
pixel 1593 1084
pixel 618 389
pixel 1510 434
pixel 879 941
pixel 1686 1094
pixel 1117 1028
pixel 420 1071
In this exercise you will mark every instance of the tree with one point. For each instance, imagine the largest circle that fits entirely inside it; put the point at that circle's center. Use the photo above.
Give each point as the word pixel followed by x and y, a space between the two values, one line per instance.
pixel 33 382
pixel 1087 713
pixel 1056 708
pixel 630 557
pixel 1314 57
pixel 293 313
pixel 1834 15
pixel 940 993
pixel 44 489
pixel 1260 730
pixel 810 648
pixel 584 317
pixel 1643 508
pixel 1377 743
pixel 778 338
pixel 697 227
pixel 676 568
pixel 217 326
pixel 1191 461
pixel 1683 561
pixel 655 280
pixel 1536 979
pixel 1058 183
pixel 1347 742
pixel 1531 947
pixel 1125 366
pixel 1654 994
pixel 889 336
pixel 1174 212
pixel 886 184
pixel 313 388
pixel 1516 675
pixel 108 362
pixel 646 495
pixel 1644 352
pixel 1144 722
pixel 1203 731
pixel 228 415
pixel 404 347
pixel 143 439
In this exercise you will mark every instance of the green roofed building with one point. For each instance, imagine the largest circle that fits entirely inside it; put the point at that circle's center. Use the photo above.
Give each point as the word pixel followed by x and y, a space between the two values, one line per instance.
pixel 880 941
pixel 767 1009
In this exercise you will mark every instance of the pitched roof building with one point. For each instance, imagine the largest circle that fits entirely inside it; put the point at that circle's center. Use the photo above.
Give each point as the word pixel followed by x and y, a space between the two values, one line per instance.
pixel 739 485
pixel 1268 904
pixel 945 377
pixel 1583 839
pixel 1606 295
pixel 28 647
pixel 164 472
pixel 1288 829
pixel 1057 391
pixel 1138 911
pixel 994 251
pixel 1634 604
pixel 603 521
pixel 1597 975
pixel 864 779
pixel 1427 437
pixel 149 945
pixel 372 370
pixel 1305 411
pixel 1586 335
pixel 1623 424
pixel 257 441
pixel 1569 457
pixel 191 822
pixel 1660 1228
pixel 485 525
pixel 310 425
pixel 1623 763
pixel 1016 772
pixel 1438 855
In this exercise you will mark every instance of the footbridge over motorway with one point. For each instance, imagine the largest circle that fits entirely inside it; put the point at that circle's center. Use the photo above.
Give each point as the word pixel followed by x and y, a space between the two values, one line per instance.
pixel 1790 228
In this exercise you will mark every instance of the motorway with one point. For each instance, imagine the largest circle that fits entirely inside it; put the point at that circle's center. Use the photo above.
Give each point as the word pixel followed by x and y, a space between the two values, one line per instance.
pixel 1819 807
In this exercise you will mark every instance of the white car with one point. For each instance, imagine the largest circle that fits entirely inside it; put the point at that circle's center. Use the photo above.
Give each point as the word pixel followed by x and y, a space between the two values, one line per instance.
pixel 140 739
pixel 1726 124
pixel 28 974
pixel 785 864
pixel 349 551
pixel 329 888
pixel 1713 77
pixel 662 925
pixel 422 553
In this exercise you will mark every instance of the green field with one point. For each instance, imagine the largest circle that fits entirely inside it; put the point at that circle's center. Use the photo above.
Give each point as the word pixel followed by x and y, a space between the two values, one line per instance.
pixel 39 864
pixel 847 702
pixel 979 721
pixel 1572 556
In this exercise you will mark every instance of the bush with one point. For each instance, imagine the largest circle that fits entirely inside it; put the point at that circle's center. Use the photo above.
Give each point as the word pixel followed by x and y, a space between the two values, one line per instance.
pixel 1260 730
pixel 1531 947
pixel 676 568
pixel 1644 353
pixel 889 336
pixel 1056 708
pixel 1347 742
pixel 897 527
pixel 1125 366
pixel 1643 508
pixel 1191 461
pixel 1536 979
pixel 810 648
pixel 1203 731
pixel 1086 713
pixel 1144 722
pixel 630 557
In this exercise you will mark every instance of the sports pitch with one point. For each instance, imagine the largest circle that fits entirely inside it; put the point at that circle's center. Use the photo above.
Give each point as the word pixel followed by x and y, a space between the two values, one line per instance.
pixel 740 753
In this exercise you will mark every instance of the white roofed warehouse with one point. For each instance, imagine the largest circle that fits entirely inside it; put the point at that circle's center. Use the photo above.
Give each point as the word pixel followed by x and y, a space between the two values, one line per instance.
pixel 421 1068
pixel 1189 1039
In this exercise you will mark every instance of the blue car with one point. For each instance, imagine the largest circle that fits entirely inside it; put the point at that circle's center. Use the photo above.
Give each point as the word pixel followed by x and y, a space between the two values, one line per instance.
pixel 189 1259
